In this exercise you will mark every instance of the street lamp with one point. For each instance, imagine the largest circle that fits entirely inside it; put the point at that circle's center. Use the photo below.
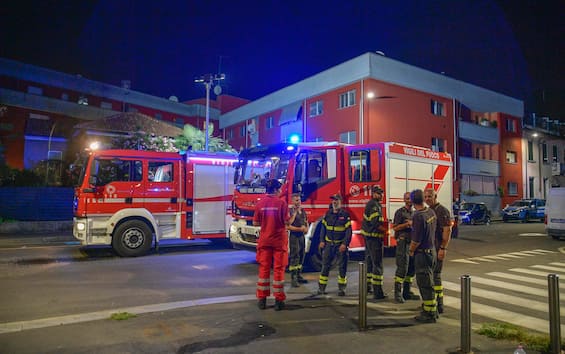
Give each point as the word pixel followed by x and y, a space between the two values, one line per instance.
pixel 207 80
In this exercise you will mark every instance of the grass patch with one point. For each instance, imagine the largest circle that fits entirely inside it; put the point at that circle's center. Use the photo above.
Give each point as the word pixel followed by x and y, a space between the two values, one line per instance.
pixel 499 330
pixel 121 316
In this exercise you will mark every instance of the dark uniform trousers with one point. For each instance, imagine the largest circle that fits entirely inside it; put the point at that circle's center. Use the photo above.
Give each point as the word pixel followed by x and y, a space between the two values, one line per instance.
pixel 296 245
pixel 424 261
pixel 329 253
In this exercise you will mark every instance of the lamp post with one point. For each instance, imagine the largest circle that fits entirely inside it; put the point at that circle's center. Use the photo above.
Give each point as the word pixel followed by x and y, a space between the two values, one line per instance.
pixel 207 80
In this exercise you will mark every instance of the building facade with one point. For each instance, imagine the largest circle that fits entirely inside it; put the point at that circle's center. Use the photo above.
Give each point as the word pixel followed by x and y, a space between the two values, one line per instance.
pixel 41 107
pixel 373 98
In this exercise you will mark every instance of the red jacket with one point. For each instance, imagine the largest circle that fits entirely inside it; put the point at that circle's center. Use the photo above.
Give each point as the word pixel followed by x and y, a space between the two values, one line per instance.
pixel 272 214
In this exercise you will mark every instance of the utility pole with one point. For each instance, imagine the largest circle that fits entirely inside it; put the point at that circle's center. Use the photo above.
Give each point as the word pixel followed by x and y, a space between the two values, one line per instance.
pixel 208 80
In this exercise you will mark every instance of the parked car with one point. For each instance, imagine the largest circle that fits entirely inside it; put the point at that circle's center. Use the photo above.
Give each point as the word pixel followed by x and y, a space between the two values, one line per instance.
pixel 474 213
pixel 524 210
pixel 555 213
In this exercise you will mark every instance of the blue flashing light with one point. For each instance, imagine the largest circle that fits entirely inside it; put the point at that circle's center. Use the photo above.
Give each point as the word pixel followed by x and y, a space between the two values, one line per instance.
pixel 294 138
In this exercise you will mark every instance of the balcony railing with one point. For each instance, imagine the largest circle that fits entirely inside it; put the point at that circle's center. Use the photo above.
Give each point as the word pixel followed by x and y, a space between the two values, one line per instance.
pixel 478 133
pixel 471 166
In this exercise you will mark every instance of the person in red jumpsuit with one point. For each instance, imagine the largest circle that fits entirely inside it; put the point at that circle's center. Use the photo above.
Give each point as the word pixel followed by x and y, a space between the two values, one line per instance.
pixel 271 213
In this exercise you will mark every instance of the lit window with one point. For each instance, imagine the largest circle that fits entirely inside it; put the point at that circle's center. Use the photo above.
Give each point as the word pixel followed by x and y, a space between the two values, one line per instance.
pixel 437 108
pixel 316 108
pixel 510 157
pixel 347 99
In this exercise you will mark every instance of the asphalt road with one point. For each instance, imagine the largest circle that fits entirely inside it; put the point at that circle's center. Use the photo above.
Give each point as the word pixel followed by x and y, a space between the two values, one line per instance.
pixel 47 281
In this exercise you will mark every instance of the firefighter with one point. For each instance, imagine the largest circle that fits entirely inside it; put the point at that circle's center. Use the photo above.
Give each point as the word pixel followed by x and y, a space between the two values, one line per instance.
pixel 402 226
pixel 334 242
pixel 424 253
pixel 298 225
pixel 442 237
pixel 271 213
pixel 373 229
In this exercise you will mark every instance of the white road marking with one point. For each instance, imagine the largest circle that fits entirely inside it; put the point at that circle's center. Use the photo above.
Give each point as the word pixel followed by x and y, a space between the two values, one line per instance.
pixel 495 313
pixel 510 286
pixel 522 279
pixel 496 296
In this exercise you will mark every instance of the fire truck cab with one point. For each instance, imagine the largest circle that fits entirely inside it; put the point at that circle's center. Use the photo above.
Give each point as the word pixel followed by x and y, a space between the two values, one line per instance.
pixel 130 198
pixel 318 170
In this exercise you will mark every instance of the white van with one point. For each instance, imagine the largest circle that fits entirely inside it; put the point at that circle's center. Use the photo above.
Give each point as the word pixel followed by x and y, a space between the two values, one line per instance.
pixel 555 213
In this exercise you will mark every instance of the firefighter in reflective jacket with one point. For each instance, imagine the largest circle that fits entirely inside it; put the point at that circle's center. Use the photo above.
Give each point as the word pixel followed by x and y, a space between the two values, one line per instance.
pixel 334 242
pixel 373 230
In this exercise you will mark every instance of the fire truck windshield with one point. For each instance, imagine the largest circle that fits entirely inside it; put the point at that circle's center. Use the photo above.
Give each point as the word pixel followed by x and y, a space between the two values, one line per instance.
pixel 256 170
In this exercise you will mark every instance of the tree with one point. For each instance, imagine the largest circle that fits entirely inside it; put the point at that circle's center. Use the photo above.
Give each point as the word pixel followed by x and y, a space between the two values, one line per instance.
pixel 195 139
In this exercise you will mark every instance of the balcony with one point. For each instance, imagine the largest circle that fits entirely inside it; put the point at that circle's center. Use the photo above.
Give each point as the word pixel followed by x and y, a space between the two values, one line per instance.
pixel 471 166
pixel 478 133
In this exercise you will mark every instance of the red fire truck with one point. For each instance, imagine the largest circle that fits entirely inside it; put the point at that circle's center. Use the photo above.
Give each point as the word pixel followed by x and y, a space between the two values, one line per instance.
pixel 125 197
pixel 318 170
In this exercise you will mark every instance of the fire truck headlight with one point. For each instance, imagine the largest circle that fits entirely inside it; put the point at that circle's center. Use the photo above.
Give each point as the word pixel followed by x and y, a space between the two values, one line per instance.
pixel 81 226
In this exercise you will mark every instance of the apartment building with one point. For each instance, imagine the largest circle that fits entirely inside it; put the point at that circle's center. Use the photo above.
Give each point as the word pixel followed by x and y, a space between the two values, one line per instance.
pixel 373 98
pixel 41 107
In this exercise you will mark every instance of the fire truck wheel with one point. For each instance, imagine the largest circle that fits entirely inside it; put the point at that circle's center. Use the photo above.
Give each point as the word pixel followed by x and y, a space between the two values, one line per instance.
pixel 132 239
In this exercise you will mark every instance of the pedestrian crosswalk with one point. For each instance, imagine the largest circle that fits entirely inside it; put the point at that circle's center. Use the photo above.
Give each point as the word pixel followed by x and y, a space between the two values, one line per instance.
pixel 517 295
pixel 503 256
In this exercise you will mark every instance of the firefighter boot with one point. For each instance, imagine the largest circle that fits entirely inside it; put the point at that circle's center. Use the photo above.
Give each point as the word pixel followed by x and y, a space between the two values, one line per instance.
pixel 398 297
pixel 426 317
pixel 407 294
pixel 378 293
pixel 294 279
pixel 440 304
pixel 301 279
pixel 322 289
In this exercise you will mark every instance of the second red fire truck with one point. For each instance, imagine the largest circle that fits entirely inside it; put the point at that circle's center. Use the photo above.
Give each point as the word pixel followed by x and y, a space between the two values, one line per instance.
pixel 318 170
pixel 129 199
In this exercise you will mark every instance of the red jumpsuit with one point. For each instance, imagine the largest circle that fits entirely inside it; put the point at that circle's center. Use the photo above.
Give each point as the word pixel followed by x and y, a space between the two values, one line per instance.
pixel 272 247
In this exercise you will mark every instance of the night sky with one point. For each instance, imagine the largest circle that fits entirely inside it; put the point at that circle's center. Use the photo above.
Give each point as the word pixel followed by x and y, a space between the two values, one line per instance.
pixel 512 47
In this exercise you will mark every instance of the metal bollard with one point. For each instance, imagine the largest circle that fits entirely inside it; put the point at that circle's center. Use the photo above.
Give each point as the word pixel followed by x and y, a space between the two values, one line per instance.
pixel 466 314
pixel 362 296
pixel 554 316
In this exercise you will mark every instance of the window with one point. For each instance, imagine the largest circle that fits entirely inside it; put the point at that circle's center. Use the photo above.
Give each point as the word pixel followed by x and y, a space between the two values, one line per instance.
pixel 270 122
pixel 316 108
pixel 347 99
pixel 438 144
pixel 544 152
pixel 106 105
pixel 437 108
pixel 554 153
pixel 512 188
pixel 510 125
pixel 34 90
pixel 510 156
pixel 158 116
pixel 364 165
pixel 242 130
pixel 530 150
pixel 179 122
pixel 160 172
pixel 115 170
pixel 348 137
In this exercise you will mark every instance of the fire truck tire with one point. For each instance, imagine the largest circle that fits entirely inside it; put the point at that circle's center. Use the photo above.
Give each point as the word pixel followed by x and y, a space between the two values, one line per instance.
pixel 133 238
